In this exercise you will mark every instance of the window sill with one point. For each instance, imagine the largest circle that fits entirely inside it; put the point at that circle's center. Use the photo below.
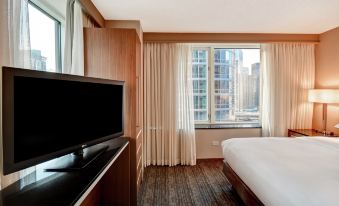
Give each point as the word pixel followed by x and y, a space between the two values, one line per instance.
pixel 228 126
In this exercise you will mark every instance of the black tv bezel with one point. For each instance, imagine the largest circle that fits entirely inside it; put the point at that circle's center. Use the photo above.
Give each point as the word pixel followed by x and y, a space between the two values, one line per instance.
pixel 8 74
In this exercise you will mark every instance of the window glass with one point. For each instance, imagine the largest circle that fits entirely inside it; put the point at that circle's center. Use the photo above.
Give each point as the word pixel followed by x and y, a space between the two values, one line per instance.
pixel 200 84
pixel 45 40
pixel 235 84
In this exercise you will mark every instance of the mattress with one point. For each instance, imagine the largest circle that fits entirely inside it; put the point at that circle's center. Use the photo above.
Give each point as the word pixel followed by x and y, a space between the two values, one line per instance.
pixel 287 171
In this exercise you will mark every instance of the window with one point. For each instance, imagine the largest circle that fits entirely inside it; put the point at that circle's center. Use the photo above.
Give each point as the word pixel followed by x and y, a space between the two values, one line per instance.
pixel 226 85
pixel 45 40
pixel 200 84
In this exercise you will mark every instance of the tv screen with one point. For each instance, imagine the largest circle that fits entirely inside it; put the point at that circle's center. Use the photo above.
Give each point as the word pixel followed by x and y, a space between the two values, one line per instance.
pixel 53 114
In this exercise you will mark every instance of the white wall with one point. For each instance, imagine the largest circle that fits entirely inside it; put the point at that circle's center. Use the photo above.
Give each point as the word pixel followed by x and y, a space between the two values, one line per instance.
pixel 205 137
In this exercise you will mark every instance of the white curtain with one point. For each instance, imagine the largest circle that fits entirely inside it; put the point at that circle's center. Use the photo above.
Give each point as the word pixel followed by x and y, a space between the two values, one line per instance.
pixel 74 43
pixel 16 52
pixel 169 125
pixel 185 105
pixel 18 34
pixel 288 71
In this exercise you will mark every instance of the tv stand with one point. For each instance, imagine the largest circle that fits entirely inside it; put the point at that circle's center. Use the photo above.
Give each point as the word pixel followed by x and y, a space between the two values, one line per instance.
pixel 106 181
pixel 79 159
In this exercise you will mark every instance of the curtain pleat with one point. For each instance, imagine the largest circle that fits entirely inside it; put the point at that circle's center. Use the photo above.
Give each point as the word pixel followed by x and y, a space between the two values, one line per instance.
pixel 19 43
pixel 169 127
pixel 288 72
pixel 74 43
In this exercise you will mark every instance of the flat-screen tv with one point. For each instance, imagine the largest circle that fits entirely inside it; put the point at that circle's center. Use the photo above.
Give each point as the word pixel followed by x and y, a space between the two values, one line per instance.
pixel 47 115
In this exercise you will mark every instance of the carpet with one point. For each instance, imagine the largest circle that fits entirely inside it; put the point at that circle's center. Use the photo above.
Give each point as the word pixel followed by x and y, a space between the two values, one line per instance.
pixel 203 184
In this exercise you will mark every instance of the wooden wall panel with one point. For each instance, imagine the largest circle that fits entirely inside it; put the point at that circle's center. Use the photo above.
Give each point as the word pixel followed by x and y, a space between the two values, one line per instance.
pixel 228 37
pixel 126 24
pixel 116 54
pixel 110 54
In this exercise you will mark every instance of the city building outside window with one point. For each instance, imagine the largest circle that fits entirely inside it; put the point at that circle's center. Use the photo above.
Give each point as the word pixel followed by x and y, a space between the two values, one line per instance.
pixel 226 84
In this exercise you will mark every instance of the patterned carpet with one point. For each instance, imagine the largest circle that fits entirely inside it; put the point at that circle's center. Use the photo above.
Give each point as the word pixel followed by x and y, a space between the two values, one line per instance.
pixel 203 184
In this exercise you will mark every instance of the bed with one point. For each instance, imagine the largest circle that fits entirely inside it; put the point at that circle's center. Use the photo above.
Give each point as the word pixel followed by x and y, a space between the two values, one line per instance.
pixel 283 171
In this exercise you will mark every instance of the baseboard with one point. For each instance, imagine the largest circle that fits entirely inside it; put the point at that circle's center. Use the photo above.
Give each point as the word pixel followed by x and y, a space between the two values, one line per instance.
pixel 209 159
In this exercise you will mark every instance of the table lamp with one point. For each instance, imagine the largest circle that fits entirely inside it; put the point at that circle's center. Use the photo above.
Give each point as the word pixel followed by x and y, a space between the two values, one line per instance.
pixel 324 96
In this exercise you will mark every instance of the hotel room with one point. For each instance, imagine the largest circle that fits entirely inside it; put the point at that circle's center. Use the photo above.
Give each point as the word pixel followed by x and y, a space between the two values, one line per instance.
pixel 187 102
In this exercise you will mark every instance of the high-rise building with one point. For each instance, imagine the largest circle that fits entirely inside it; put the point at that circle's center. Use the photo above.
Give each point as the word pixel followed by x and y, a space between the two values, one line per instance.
pixel 226 62
pixel 255 70
pixel 38 61
pixel 242 91
pixel 248 82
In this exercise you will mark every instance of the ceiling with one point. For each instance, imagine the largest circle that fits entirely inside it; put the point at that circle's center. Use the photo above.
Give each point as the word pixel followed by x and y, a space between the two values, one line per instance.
pixel 55 8
pixel 231 16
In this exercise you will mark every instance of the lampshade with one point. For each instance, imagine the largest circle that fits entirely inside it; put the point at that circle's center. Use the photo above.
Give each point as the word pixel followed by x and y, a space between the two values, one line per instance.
pixel 323 95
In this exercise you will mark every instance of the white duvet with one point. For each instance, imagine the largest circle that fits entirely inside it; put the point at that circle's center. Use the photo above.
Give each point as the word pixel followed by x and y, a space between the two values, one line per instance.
pixel 287 171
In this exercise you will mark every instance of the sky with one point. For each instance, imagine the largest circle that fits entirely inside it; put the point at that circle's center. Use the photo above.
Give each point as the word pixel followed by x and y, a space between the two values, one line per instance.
pixel 42 35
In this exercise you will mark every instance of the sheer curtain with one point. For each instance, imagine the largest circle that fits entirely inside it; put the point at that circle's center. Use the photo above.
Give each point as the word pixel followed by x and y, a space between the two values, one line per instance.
pixel 185 105
pixel 74 43
pixel 288 71
pixel 16 52
pixel 169 126
pixel 18 34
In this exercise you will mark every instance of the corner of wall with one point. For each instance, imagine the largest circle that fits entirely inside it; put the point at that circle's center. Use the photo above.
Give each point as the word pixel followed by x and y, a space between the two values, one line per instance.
pixel 326 76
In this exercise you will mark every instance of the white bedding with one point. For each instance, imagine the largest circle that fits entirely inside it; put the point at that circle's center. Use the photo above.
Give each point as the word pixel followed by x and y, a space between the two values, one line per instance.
pixel 287 171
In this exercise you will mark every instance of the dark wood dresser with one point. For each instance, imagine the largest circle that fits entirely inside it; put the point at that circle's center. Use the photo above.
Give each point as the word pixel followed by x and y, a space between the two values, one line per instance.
pixel 308 132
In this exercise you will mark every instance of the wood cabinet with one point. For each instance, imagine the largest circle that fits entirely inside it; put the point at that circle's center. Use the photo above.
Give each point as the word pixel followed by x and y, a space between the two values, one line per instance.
pixel 105 181
pixel 307 132
pixel 116 54
pixel 113 188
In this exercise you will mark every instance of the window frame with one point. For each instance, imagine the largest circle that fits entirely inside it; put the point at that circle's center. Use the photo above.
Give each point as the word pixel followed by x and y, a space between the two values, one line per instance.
pixel 211 85
pixel 58 44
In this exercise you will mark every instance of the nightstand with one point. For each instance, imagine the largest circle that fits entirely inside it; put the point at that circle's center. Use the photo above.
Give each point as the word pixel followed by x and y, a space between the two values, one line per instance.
pixel 308 132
